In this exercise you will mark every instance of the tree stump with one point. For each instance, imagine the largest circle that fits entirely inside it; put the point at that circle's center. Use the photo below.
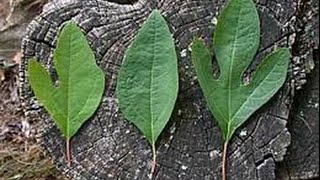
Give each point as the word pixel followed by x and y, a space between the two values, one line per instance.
pixel 302 159
pixel 109 147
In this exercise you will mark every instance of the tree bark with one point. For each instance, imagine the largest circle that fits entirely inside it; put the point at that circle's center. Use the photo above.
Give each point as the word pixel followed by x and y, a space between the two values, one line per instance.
pixel 109 147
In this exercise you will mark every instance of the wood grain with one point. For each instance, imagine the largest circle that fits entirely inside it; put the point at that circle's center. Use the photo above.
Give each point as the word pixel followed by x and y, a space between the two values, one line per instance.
pixel 108 147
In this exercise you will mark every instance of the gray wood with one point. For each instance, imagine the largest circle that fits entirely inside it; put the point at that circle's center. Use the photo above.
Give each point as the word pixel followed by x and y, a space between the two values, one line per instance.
pixel 302 159
pixel 108 147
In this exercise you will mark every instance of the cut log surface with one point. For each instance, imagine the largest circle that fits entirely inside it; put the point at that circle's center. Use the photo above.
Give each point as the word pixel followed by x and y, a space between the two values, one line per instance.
pixel 302 159
pixel 109 147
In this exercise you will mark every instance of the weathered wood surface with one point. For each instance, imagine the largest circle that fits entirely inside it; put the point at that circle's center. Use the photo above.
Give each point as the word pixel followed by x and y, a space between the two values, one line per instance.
pixel 302 159
pixel 108 147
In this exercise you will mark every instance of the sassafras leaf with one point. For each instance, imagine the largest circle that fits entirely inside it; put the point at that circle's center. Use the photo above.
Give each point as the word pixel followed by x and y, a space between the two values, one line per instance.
pixel 236 41
pixel 81 82
pixel 147 85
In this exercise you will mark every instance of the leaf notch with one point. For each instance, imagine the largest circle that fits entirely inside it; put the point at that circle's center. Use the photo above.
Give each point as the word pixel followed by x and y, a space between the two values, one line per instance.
pixel 72 102
pixel 236 41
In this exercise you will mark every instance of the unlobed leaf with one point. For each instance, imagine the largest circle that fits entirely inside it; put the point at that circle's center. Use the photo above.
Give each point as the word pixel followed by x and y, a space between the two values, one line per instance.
pixel 147 85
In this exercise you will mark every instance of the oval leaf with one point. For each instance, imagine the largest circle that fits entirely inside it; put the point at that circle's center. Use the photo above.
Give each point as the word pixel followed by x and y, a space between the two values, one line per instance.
pixel 148 79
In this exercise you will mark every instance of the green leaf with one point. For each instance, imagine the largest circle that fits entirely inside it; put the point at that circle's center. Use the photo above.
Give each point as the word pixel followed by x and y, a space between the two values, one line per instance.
pixel 147 85
pixel 81 82
pixel 236 42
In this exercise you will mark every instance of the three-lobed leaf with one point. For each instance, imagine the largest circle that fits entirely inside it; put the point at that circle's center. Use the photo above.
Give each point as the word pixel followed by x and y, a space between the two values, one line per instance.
pixel 147 85
pixel 236 41
pixel 81 82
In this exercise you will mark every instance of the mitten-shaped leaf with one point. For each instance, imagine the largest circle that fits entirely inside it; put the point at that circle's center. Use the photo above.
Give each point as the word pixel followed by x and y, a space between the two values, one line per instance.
pixel 81 82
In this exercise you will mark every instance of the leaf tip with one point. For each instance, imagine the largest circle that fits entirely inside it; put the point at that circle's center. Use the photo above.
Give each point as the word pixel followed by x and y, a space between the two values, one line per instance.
pixel 283 55
pixel 196 42
pixel 33 65
pixel 70 27
pixel 156 12
pixel 71 24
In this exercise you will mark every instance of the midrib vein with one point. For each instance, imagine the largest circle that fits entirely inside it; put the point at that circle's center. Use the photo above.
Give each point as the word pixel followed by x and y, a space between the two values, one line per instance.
pixel 67 85
pixel 151 79
pixel 231 73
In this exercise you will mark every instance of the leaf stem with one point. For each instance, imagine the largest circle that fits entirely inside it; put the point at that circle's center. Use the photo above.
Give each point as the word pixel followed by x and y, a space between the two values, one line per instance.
pixel 154 160
pixel 224 161
pixel 68 152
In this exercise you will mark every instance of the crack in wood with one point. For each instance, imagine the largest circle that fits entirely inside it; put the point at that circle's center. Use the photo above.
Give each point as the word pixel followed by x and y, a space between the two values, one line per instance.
pixel 192 138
